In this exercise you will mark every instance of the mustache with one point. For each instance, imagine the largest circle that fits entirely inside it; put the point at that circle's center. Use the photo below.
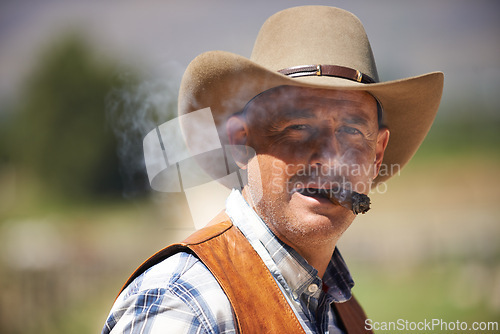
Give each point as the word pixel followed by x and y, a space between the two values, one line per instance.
pixel 318 182
pixel 338 190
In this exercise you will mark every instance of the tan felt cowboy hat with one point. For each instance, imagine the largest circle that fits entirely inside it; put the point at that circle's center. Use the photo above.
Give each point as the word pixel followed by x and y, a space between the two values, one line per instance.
pixel 310 46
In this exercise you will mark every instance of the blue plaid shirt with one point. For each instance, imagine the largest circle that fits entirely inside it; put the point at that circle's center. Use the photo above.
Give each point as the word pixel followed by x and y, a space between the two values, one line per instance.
pixel 180 295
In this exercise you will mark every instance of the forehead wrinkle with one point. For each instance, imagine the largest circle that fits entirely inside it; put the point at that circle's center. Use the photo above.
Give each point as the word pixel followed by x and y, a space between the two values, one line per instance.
pixel 356 113
pixel 288 106
pixel 353 112
pixel 309 107
pixel 276 113
pixel 294 113
pixel 336 104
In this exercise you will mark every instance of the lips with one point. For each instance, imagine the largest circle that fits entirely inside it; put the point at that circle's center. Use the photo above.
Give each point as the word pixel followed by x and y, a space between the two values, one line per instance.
pixel 319 195
pixel 313 192
pixel 352 200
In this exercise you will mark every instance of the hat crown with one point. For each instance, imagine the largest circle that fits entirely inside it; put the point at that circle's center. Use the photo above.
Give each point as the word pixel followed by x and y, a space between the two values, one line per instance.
pixel 311 35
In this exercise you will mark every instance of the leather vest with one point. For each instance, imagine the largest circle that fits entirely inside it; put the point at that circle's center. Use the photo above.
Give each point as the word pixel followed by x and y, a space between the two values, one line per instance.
pixel 257 301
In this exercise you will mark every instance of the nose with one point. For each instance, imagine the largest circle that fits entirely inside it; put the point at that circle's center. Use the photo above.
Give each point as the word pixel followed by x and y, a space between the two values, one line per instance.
pixel 325 150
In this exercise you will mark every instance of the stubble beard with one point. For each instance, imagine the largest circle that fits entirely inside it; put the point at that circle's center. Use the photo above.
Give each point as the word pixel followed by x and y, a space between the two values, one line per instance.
pixel 288 225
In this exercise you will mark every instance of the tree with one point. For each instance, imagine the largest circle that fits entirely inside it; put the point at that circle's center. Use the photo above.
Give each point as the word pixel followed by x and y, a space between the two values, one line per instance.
pixel 60 131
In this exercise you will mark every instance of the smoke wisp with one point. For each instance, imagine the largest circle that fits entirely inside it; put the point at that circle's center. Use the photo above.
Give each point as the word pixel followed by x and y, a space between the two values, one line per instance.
pixel 132 110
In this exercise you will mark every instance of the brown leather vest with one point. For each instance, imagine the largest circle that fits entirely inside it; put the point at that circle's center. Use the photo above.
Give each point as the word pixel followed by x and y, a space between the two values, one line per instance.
pixel 257 301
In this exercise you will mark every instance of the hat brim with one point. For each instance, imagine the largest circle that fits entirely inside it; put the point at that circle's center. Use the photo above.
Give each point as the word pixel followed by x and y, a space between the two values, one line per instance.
pixel 225 82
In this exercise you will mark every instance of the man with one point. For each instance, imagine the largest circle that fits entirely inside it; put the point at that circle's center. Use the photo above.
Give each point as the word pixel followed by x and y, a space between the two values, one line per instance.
pixel 305 116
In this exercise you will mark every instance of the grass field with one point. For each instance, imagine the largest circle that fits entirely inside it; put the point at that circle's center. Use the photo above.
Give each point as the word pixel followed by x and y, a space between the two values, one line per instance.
pixel 430 247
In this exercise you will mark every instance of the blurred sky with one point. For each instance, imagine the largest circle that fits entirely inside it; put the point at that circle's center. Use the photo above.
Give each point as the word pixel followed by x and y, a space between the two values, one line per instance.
pixel 458 37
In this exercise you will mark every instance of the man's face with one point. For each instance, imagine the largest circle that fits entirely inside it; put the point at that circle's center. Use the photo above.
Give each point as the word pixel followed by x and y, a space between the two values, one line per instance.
pixel 309 138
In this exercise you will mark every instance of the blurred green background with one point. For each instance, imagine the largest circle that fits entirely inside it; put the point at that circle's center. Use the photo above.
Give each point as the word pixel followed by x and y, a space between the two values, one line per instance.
pixel 82 83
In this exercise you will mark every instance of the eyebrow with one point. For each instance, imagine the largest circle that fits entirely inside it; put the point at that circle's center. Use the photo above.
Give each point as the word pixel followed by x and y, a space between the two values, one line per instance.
pixel 356 120
pixel 289 114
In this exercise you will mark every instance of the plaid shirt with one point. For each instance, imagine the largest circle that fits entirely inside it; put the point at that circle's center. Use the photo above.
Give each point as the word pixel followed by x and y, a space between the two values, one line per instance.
pixel 180 295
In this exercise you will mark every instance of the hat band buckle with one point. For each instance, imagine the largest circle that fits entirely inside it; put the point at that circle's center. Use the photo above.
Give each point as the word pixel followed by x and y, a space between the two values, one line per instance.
pixel 327 70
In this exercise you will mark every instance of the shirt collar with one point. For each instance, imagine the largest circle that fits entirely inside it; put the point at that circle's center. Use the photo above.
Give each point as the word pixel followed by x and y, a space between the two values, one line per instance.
pixel 283 261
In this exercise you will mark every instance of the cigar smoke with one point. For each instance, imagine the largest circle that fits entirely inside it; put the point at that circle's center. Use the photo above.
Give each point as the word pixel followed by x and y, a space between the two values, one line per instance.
pixel 133 109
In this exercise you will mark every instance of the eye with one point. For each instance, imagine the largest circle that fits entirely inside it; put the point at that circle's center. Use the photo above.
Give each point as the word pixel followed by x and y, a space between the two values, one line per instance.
pixel 349 130
pixel 298 127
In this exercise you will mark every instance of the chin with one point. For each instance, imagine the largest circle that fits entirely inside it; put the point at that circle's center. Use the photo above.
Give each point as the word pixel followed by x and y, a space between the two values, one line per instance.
pixel 304 224
pixel 318 228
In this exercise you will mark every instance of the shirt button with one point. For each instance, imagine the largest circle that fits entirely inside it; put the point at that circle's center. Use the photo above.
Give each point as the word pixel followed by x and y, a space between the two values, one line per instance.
pixel 312 288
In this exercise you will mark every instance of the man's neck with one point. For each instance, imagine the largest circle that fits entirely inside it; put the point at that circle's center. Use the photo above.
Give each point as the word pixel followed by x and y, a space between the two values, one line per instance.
pixel 318 258
pixel 317 254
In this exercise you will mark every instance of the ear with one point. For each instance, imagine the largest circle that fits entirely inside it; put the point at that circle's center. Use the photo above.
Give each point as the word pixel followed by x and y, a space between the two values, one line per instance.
pixel 382 141
pixel 237 132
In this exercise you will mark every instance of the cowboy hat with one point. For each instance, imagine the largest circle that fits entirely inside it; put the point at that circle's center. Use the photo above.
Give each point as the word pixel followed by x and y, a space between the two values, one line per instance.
pixel 309 46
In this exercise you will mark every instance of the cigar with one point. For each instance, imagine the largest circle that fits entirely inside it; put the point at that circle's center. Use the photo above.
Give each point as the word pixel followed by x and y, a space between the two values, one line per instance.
pixel 354 201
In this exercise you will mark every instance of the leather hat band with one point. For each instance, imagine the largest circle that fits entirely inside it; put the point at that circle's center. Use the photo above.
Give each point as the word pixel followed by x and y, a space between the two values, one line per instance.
pixel 327 70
